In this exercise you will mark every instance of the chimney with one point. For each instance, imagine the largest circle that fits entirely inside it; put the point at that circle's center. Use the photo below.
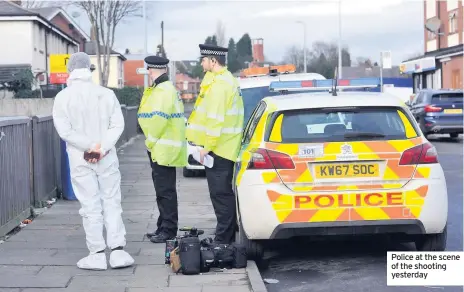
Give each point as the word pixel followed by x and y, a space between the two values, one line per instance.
pixel 258 50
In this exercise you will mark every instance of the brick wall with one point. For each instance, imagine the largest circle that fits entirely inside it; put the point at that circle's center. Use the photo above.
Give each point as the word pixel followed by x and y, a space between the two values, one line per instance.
pixel 452 73
pixel 131 78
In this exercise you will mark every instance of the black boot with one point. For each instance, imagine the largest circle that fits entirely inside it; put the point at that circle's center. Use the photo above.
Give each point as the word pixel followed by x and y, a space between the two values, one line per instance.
pixel 161 238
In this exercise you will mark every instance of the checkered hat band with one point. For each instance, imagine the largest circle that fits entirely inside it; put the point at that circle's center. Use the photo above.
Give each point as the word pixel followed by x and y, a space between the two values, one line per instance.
pixel 156 66
pixel 211 52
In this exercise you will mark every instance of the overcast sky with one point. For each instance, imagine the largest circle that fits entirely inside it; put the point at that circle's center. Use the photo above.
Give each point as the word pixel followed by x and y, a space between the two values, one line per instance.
pixel 368 26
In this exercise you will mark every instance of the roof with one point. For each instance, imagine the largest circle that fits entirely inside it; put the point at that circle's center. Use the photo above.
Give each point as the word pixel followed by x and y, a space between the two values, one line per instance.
pixel 439 53
pixel 50 12
pixel 8 8
pixel 439 91
pixel 47 12
pixel 188 65
pixel 7 71
pixel 325 99
pixel 364 72
pixel 260 81
pixel 91 50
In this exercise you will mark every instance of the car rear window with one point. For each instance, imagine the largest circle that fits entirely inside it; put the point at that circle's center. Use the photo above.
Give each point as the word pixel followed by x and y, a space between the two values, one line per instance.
pixel 327 125
pixel 447 97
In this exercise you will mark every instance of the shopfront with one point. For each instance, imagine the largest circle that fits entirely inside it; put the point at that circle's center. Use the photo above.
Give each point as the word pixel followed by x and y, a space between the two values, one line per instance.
pixel 425 73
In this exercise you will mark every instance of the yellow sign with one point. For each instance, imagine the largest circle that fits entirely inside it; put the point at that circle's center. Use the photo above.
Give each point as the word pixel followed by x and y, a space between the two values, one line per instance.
pixel 58 63
pixel 453 111
pixel 347 170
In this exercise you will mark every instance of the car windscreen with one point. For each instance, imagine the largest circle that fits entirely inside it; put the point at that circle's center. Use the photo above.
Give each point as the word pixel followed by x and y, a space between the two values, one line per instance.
pixel 447 97
pixel 339 125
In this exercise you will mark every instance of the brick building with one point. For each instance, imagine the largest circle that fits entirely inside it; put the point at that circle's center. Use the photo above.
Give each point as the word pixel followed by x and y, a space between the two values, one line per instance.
pixel 441 66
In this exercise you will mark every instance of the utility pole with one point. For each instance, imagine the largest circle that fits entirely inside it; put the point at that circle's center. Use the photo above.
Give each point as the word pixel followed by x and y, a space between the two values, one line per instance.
pixel 339 39
pixel 162 39
pixel 145 76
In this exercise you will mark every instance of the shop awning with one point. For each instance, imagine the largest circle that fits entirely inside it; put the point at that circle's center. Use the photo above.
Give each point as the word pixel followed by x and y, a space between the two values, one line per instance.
pixel 418 66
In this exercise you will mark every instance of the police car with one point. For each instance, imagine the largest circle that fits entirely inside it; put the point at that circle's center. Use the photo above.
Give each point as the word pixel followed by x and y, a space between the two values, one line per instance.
pixel 344 163
pixel 253 90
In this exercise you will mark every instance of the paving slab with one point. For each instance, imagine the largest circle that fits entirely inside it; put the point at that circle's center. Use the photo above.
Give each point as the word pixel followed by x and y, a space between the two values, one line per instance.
pixel 42 257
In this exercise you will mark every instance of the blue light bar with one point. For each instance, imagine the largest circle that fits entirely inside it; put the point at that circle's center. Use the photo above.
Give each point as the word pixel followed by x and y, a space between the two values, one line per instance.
pixel 325 84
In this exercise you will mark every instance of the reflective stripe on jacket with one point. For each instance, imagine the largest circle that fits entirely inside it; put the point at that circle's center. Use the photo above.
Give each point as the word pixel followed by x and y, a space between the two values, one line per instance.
pixel 161 117
pixel 217 120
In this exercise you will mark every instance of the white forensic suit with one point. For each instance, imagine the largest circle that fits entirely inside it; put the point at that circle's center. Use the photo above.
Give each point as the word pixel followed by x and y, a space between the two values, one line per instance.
pixel 85 114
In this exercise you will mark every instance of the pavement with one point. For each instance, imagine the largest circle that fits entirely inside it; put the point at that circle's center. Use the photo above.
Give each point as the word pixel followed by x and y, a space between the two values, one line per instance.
pixel 42 256
pixel 360 266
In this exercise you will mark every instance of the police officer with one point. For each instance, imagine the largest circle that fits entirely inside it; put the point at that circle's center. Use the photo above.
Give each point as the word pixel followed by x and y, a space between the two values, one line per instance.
pixel 161 118
pixel 216 125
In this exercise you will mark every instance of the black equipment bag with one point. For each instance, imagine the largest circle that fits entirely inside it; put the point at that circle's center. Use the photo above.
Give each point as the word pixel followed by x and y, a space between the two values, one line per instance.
pixel 189 253
pixel 207 259
pixel 223 255
pixel 240 256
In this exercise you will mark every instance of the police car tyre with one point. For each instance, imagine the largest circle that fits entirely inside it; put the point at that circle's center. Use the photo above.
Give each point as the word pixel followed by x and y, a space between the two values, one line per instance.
pixel 254 248
pixel 187 172
pixel 432 242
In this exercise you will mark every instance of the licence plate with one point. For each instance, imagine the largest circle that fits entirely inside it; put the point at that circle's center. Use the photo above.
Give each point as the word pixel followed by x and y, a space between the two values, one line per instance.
pixel 453 111
pixel 339 170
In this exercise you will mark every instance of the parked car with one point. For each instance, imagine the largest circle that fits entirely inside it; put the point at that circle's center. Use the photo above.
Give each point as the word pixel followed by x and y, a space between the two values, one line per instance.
pixel 438 111
pixel 301 172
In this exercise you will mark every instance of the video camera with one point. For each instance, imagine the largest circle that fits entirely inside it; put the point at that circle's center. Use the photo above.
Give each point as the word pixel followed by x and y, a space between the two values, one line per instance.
pixel 191 232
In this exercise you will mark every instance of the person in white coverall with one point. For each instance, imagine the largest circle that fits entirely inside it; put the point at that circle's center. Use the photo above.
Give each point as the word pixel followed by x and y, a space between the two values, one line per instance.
pixel 88 118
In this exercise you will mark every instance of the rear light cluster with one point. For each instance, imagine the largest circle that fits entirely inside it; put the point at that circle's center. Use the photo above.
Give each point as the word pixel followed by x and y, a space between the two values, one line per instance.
pixel 268 159
pixel 422 154
pixel 432 109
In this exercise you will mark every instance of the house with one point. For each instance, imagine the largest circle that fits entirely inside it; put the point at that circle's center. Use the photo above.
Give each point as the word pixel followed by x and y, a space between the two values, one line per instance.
pixel 31 39
pixel 187 86
pixel 116 69
pixel 63 21
pixel 441 64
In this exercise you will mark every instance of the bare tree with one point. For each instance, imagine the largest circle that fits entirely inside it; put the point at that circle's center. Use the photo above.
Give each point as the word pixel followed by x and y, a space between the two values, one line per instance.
pixel 220 34
pixel 104 17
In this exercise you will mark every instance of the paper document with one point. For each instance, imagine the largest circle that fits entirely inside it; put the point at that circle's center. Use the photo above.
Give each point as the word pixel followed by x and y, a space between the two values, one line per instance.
pixel 208 160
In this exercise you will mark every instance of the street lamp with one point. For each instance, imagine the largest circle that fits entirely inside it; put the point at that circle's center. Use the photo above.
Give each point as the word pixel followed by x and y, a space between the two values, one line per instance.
pixel 304 43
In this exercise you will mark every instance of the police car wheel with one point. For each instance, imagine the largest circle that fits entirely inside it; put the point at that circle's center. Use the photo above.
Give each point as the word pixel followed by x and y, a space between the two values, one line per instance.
pixel 187 172
pixel 254 248
pixel 432 242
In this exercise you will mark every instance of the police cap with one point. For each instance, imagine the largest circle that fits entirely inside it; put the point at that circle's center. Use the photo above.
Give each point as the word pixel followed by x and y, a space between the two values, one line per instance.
pixel 212 50
pixel 156 62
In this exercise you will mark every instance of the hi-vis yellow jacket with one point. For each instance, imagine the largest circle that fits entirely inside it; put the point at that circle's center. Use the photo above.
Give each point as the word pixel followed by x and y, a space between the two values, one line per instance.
pixel 217 120
pixel 161 117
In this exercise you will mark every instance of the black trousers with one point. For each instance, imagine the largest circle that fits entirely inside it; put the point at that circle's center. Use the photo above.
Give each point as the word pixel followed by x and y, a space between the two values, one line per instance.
pixel 164 180
pixel 219 179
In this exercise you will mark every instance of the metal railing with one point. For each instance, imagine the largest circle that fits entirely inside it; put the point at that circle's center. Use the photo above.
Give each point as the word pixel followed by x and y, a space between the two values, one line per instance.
pixel 30 164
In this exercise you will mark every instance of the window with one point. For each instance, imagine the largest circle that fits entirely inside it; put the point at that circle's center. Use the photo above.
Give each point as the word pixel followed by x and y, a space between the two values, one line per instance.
pixel 447 97
pixel 326 125
pixel 453 22
pixel 253 122
pixel 251 97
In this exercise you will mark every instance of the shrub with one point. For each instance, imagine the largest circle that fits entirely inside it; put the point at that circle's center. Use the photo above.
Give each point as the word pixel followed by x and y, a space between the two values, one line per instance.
pixel 130 96
pixel 22 83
